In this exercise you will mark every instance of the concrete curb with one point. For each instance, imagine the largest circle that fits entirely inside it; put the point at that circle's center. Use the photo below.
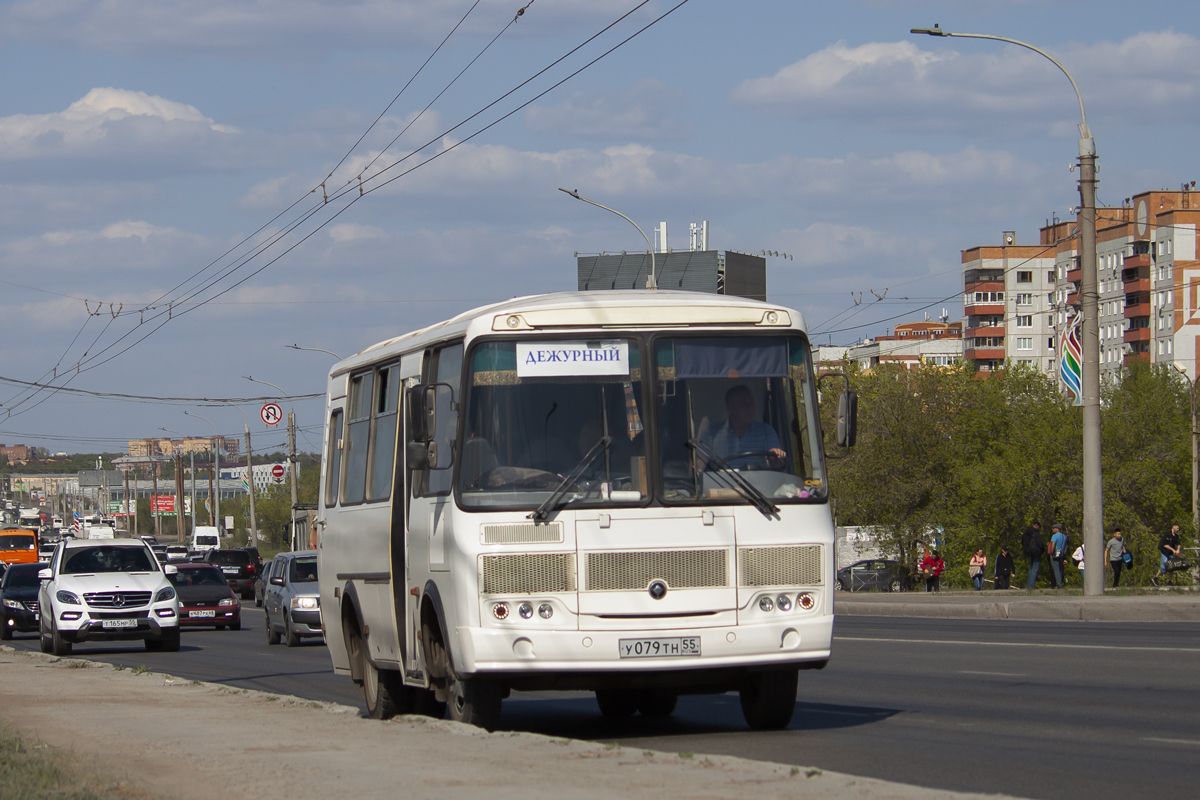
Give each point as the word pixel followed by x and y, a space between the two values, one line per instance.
pixel 1099 609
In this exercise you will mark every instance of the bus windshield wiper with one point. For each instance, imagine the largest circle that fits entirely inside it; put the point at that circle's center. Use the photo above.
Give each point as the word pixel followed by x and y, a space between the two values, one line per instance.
pixel 739 483
pixel 552 502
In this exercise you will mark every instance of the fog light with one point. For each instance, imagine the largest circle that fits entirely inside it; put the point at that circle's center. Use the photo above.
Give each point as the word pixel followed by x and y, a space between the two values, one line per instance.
pixel 525 610
pixel 545 611
pixel 500 611
pixel 784 602
pixel 165 612
pixel 69 615
pixel 806 601
pixel 765 603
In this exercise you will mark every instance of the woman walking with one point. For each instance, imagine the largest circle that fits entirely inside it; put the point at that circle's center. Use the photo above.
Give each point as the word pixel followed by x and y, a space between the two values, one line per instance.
pixel 976 568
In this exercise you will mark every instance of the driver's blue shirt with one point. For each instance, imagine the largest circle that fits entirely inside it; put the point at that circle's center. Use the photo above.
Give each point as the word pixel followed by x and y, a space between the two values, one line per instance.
pixel 757 438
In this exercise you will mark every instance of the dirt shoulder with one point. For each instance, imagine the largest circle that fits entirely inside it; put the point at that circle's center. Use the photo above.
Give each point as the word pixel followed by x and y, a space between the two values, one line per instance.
pixel 175 738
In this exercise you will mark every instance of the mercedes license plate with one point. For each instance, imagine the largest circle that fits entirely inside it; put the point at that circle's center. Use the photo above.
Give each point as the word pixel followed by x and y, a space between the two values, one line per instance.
pixel 659 648
pixel 208 613
pixel 119 623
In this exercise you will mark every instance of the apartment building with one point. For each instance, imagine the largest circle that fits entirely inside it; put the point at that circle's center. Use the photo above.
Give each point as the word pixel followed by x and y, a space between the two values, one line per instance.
pixel 912 344
pixel 143 448
pixel 1007 304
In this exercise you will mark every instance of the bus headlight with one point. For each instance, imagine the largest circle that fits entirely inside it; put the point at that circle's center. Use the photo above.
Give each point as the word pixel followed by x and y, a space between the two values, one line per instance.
pixel 525 610
pixel 806 601
pixel 545 611
pixel 765 603
pixel 784 602
pixel 500 611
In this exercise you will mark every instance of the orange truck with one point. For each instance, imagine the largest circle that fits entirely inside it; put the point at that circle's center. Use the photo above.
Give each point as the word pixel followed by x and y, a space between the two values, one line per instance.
pixel 18 546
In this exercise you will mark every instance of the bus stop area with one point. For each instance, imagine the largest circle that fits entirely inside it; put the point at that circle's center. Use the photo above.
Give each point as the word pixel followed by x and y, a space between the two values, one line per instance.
pixel 152 735
pixel 1151 606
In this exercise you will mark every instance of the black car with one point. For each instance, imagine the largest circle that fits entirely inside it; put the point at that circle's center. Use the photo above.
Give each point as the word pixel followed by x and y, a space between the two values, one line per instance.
pixel 205 597
pixel 19 608
pixel 255 556
pixel 873 574
pixel 238 567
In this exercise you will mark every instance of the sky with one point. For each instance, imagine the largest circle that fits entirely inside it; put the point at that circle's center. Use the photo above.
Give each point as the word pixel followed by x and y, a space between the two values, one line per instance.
pixel 180 181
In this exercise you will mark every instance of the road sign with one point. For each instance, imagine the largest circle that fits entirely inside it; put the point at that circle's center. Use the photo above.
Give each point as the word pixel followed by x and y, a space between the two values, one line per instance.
pixel 277 472
pixel 271 413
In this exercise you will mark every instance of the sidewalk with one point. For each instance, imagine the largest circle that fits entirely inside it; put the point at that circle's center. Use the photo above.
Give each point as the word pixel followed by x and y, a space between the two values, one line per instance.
pixel 1015 604
pixel 172 738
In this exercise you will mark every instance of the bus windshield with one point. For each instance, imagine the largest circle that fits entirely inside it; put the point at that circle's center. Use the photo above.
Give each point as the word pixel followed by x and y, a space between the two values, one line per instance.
pixel 560 418
pixel 551 424
pixel 737 410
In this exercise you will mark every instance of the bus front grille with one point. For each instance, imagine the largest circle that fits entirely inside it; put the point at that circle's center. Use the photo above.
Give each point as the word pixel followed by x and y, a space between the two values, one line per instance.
pixel 780 566
pixel 528 573
pixel 523 533
pixel 636 569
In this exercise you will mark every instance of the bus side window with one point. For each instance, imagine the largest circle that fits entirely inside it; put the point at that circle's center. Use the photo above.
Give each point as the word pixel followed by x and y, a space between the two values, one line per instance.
pixel 357 438
pixel 445 366
pixel 334 448
pixel 383 434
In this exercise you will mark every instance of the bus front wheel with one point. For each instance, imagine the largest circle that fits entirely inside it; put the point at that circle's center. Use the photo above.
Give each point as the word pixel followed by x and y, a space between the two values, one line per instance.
pixel 473 701
pixel 769 699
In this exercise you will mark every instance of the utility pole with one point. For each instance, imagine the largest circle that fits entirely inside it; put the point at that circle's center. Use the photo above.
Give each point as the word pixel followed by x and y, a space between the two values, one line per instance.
pixel 154 501
pixel 250 486
pixel 211 471
pixel 131 528
pixel 179 526
pixel 292 470
pixel 192 458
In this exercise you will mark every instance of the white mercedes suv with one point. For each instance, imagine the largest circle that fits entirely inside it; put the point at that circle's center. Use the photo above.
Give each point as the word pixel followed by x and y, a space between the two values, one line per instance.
pixel 104 590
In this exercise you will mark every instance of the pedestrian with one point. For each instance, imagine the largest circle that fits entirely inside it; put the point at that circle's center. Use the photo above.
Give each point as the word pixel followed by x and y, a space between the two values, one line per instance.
pixel 1116 555
pixel 1034 548
pixel 976 568
pixel 1169 546
pixel 1004 569
pixel 1077 557
pixel 1058 554
pixel 932 566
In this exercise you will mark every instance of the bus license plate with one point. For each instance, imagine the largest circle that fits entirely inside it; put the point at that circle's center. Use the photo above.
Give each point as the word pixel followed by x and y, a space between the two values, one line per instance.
pixel 659 648
pixel 119 623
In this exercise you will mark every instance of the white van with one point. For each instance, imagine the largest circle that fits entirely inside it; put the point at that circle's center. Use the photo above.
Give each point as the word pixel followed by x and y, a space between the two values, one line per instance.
pixel 204 538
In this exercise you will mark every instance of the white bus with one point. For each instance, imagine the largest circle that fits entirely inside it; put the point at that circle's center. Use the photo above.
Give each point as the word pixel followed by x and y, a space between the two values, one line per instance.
pixel 621 492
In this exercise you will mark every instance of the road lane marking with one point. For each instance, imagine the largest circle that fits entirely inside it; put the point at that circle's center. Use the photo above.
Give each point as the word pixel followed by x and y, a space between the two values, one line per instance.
pixel 1022 644
pixel 1002 674
pixel 1170 741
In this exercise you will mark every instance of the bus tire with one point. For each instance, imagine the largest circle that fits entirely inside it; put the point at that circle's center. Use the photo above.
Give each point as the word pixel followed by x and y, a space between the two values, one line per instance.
pixel 657 703
pixel 383 691
pixel 425 703
pixel 769 698
pixel 617 702
pixel 474 701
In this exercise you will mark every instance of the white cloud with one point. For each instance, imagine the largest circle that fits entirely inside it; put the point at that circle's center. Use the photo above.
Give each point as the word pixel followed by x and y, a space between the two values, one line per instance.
pixel 1003 92
pixel 646 110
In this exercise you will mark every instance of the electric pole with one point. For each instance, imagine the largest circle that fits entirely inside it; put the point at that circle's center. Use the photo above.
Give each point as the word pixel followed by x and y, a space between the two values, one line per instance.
pixel 292 470
pixel 250 486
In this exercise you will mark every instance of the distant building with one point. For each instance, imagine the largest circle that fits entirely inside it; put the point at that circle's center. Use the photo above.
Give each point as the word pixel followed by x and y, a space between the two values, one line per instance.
pixel 144 448
pixel 913 344
pixel 17 453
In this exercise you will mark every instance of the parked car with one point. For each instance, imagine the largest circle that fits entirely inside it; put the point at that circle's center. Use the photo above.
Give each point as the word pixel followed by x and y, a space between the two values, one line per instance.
pixel 238 568
pixel 112 589
pixel 292 598
pixel 205 598
pixel 19 607
pixel 873 574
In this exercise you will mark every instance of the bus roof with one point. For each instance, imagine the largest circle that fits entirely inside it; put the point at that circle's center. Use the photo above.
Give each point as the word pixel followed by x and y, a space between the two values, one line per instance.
pixel 564 311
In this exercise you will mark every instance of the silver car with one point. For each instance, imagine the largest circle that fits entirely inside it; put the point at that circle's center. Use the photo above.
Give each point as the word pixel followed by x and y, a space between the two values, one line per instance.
pixel 291 598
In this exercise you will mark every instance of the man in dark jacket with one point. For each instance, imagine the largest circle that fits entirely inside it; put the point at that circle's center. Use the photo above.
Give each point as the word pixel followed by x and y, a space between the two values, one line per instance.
pixel 1004 568
pixel 1034 548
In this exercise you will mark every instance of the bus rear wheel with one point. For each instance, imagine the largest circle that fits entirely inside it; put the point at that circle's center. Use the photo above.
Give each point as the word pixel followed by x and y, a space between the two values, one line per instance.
pixel 769 698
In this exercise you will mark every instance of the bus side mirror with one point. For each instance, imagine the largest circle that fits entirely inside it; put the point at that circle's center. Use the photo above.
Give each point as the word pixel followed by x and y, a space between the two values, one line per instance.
pixel 422 413
pixel 847 419
pixel 416 455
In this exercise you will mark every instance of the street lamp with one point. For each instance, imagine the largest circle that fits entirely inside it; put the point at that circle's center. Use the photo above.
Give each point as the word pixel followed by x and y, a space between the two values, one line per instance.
pixel 291 451
pixel 1093 497
pixel 313 349
pixel 650 282
pixel 216 454
pixel 1195 449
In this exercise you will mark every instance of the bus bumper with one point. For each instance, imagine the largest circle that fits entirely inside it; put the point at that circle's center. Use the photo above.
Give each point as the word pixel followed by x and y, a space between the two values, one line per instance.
pixel 794 641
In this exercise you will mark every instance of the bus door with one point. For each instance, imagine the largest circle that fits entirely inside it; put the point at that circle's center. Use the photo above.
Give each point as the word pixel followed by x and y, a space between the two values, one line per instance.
pixel 430 496
pixel 405 608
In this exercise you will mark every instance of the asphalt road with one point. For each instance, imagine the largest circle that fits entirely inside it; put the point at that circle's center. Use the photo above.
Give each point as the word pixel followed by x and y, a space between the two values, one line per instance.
pixel 1036 709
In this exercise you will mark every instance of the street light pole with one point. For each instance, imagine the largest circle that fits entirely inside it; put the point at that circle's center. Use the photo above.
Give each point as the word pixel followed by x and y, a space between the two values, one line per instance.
pixel 314 349
pixel 216 454
pixel 1093 493
pixel 651 282
pixel 291 453
pixel 249 479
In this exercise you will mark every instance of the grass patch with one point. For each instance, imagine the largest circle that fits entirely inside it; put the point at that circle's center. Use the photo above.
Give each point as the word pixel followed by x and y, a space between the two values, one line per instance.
pixel 140 669
pixel 32 771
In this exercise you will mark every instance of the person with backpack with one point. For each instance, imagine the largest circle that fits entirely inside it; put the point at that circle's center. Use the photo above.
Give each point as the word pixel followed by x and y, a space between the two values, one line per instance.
pixel 1058 554
pixel 1116 555
pixel 1034 548
pixel 1169 547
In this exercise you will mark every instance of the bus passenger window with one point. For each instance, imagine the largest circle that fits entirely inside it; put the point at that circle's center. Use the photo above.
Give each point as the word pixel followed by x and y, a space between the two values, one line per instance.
pixel 333 464
pixel 359 415
pixel 383 436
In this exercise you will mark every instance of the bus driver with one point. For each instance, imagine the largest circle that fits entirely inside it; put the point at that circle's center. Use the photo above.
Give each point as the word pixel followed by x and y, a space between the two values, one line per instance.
pixel 742 435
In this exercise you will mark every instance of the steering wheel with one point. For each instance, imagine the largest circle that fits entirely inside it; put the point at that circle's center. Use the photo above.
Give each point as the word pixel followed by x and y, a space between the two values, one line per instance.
pixel 765 455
